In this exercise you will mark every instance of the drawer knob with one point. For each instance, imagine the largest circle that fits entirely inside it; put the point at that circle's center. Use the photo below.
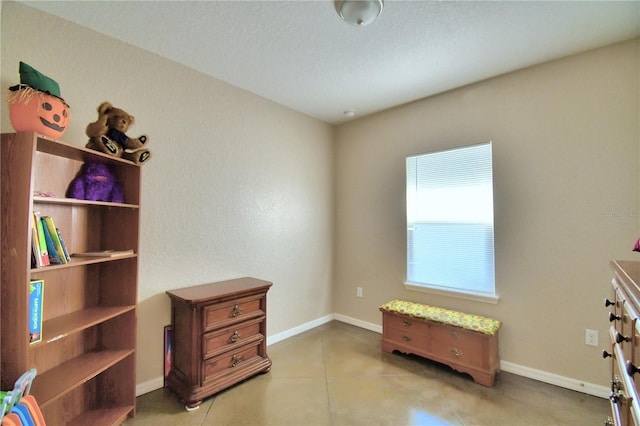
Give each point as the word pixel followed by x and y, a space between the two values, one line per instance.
pixel 606 354
pixel 608 303
pixel 406 338
pixel 235 337
pixel 621 338
pixel 455 351
pixel 406 323
pixel 616 384
pixel 632 369
pixel 236 311
pixel 235 360
pixel 608 422
pixel 615 398
pixel 613 317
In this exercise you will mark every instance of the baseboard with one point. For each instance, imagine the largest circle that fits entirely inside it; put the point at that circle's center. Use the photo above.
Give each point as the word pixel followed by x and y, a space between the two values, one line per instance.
pixel 554 379
pixel 298 329
pixel 510 367
pixel 358 323
pixel 149 386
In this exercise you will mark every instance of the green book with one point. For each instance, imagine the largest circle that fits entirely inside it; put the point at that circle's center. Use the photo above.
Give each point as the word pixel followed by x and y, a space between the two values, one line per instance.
pixel 51 227
pixel 54 259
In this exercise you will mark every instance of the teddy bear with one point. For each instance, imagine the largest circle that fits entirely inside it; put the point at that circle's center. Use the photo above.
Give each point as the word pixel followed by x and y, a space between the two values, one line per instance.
pixel 96 182
pixel 108 134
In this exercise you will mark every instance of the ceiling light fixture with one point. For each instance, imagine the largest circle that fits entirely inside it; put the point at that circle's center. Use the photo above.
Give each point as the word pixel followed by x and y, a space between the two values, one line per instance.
pixel 359 12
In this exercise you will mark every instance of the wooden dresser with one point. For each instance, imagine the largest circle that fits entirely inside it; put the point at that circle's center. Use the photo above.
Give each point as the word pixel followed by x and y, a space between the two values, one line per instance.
pixel 219 337
pixel 624 352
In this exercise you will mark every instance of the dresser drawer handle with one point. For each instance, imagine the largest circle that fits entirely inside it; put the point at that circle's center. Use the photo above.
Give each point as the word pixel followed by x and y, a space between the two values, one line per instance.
pixel 455 351
pixel 236 311
pixel 406 323
pixel 406 338
pixel 235 337
pixel 616 384
pixel 616 397
pixel 613 317
pixel 621 338
pixel 613 398
pixel 235 360
pixel 632 369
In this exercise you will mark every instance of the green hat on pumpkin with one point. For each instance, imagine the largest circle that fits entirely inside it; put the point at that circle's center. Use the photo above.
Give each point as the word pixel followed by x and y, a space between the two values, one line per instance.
pixel 34 79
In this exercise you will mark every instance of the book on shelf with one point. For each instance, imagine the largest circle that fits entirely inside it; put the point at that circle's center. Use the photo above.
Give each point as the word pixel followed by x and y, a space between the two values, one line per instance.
pixel 36 255
pixel 36 299
pixel 34 264
pixel 103 253
pixel 54 259
pixel 42 242
pixel 63 245
pixel 53 232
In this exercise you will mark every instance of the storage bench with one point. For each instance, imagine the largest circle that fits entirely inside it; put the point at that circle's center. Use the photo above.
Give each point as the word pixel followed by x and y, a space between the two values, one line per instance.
pixel 467 343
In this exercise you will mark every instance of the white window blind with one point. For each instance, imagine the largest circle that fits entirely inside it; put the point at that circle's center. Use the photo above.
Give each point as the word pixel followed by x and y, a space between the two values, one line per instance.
pixel 450 220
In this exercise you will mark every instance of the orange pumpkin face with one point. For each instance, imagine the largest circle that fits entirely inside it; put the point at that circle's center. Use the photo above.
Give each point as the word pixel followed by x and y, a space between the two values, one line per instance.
pixel 41 113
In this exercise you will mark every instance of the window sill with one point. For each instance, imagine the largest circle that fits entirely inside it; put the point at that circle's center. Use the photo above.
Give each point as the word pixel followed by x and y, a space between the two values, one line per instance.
pixel 458 294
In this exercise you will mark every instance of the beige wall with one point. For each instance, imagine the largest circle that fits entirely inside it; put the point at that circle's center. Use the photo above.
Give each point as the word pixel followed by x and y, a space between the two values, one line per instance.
pixel 566 144
pixel 241 186
pixel 238 186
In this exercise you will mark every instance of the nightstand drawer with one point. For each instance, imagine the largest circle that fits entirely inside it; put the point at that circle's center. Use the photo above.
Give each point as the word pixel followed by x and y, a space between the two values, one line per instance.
pixel 224 314
pixel 217 342
pixel 230 362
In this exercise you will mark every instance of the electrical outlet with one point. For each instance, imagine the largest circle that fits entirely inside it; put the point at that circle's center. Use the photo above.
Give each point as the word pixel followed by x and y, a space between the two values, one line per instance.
pixel 591 337
pixel 359 292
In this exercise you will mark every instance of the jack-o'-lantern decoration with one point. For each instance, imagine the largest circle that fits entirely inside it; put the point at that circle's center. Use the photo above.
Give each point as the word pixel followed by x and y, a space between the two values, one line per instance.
pixel 34 111
pixel 35 104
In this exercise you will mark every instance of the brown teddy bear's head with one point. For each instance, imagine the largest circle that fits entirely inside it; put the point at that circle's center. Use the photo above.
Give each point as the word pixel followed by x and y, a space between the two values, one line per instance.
pixel 116 118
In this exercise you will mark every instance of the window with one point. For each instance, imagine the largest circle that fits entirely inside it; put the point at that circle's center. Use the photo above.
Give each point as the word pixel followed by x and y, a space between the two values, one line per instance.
pixel 450 222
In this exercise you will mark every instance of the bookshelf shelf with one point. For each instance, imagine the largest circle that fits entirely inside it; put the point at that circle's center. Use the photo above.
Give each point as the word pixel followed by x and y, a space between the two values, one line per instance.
pixel 73 201
pixel 105 416
pixel 85 360
pixel 62 326
pixel 55 383
pixel 79 261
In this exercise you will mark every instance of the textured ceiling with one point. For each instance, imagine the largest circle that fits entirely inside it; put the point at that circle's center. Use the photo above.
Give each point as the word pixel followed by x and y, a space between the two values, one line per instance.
pixel 301 55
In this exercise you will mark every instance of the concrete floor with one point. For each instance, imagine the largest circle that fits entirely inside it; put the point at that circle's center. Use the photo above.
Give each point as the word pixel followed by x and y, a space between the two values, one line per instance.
pixel 336 375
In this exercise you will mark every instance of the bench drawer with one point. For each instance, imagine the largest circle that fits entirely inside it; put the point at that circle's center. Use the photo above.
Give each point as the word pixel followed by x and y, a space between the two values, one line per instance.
pixel 399 321
pixel 460 346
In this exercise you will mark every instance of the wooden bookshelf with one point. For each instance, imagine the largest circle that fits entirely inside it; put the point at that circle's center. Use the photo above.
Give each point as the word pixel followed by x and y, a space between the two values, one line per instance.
pixel 86 358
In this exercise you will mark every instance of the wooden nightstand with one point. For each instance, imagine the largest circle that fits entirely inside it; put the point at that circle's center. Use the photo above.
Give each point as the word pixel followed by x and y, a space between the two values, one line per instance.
pixel 219 337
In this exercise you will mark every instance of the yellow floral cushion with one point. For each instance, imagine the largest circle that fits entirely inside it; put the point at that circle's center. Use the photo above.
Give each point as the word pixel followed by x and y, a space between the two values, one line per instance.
pixel 471 322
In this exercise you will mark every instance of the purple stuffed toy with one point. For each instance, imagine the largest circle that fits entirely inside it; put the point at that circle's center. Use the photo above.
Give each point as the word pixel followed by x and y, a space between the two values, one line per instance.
pixel 96 182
